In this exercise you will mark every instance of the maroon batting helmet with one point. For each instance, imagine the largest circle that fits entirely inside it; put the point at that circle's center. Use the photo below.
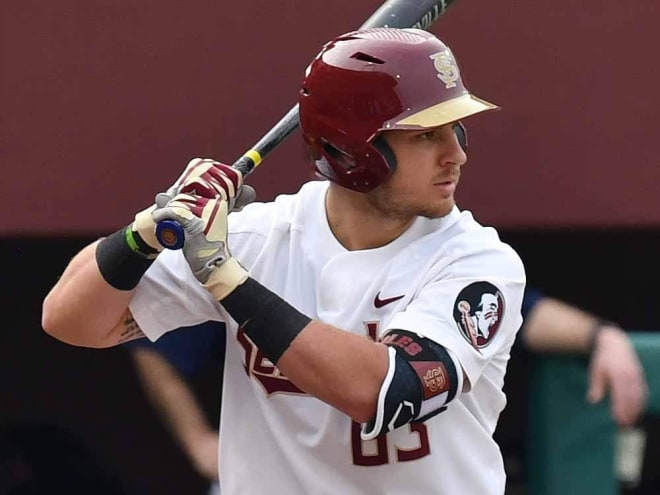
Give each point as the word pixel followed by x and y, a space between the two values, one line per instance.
pixel 369 81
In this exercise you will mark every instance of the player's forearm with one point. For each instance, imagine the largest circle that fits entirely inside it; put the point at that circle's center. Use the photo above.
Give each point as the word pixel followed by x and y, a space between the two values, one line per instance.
pixel 82 308
pixel 340 368
pixel 554 326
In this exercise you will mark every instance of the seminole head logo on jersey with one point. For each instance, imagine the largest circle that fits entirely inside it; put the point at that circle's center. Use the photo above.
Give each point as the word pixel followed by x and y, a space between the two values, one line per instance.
pixel 478 311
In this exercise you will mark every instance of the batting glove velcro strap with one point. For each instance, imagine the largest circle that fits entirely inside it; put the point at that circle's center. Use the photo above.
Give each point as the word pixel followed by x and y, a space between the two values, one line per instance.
pixel 225 278
pixel 422 378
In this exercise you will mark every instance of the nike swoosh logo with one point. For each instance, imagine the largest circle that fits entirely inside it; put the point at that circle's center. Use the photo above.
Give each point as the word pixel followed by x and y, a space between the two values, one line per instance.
pixel 379 303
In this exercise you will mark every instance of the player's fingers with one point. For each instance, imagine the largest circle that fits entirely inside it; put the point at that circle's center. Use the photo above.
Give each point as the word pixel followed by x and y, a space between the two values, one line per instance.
pixel 226 178
pixel 183 208
pixel 226 172
pixel 163 198
pixel 211 170
pixel 214 216
pixel 246 195
pixel 195 168
pixel 192 164
pixel 212 179
pixel 199 186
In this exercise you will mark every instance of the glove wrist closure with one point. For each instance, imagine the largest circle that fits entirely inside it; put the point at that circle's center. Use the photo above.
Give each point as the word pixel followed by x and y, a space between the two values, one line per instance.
pixel 225 278
pixel 145 227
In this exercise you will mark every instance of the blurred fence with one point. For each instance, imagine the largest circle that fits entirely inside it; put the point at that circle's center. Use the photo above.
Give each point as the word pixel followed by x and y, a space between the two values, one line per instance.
pixel 572 445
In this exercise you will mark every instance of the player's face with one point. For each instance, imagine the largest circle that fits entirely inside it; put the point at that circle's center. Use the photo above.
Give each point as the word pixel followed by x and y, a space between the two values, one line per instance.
pixel 426 176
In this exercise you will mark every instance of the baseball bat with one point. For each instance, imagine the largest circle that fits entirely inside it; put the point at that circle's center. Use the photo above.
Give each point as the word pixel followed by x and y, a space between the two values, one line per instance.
pixel 419 14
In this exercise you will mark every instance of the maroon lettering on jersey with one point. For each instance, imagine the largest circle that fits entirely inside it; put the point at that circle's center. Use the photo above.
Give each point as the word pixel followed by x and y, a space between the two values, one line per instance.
pixel 260 368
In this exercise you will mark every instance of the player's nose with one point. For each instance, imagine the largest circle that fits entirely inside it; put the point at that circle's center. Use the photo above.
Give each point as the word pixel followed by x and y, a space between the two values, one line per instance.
pixel 452 153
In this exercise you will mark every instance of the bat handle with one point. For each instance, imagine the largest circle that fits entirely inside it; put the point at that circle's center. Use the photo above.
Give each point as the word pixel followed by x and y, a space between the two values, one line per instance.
pixel 170 234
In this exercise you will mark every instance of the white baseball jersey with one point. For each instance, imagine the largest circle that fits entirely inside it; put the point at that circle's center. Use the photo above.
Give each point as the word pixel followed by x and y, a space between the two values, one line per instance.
pixel 450 279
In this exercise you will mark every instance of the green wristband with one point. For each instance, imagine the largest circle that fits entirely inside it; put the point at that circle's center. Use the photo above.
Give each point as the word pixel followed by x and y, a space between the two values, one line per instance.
pixel 137 245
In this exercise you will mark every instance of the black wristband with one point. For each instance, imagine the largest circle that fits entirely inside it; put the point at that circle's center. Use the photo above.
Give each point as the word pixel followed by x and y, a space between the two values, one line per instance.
pixel 119 264
pixel 269 321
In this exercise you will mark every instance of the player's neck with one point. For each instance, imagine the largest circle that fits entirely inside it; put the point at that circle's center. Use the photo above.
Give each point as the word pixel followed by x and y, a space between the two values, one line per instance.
pixel 356 224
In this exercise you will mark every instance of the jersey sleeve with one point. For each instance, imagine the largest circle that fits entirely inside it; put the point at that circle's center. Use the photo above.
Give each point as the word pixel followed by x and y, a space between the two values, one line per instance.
pixel 169 297
pixel 472 308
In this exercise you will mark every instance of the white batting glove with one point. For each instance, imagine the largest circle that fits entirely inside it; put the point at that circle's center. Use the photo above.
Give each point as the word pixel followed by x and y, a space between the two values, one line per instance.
pixel 206 250
pixel 211 179
pixel 202 177
pixel 145 227
pixel 144 224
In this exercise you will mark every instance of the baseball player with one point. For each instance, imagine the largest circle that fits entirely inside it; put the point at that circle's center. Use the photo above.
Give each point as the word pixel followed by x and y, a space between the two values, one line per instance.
pixel 360 357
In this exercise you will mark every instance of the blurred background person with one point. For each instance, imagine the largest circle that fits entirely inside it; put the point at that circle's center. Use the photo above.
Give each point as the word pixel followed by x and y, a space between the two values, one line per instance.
pixel 167 370
pixel 554 326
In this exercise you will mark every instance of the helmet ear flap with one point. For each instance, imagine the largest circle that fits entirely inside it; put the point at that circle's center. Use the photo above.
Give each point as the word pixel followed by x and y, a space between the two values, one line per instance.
pixel 380 144
pixel 461 135
pixel 362 169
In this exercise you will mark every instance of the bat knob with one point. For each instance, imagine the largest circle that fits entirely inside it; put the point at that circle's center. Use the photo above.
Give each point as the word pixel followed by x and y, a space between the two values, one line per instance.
pixel 170 234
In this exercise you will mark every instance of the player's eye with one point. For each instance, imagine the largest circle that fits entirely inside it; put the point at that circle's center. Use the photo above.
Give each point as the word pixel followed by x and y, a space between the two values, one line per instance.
pixel 427 136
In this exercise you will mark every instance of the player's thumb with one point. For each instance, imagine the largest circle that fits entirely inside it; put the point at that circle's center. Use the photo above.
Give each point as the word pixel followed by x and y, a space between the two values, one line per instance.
pixel 246 195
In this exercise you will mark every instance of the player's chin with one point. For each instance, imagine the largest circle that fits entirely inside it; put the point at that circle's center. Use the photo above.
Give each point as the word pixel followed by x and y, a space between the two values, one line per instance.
pixel 438 209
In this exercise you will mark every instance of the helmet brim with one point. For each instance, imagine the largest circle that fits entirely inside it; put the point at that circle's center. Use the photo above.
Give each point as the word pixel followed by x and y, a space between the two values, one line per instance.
pixel 446 112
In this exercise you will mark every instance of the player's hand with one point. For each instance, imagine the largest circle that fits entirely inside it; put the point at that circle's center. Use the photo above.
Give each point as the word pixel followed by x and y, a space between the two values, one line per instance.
pixel 204 221
pixel 615 368
pixel 201 177
pixel 211 179
pixel 144 228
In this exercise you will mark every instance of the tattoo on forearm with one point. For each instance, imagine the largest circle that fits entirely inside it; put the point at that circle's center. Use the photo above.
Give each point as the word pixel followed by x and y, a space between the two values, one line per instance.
pixel 131 329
